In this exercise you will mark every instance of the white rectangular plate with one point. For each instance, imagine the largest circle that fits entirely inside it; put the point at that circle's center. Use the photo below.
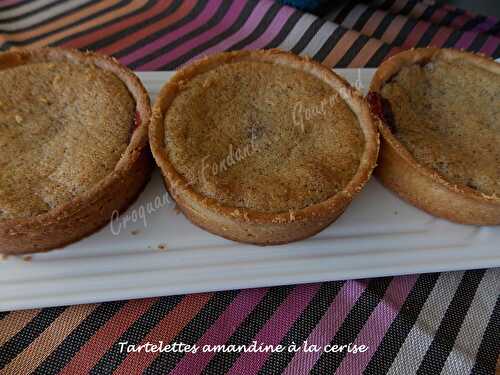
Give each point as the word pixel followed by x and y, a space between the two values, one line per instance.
pixel 160 253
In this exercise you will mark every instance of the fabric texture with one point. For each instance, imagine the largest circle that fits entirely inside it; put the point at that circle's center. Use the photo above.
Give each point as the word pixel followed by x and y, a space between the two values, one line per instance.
pixel 446 323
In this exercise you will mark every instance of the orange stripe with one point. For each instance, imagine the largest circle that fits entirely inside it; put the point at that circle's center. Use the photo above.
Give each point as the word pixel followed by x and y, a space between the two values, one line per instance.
pixel 341 48
pixel 105 337
pixel 166 330
pixel 40 348
pixel 182 11
pixel 131 7
pixel 365 54
pixel 14 322
pixel 98 34
pixel 372 24
pixel 61 22
pixel 394 28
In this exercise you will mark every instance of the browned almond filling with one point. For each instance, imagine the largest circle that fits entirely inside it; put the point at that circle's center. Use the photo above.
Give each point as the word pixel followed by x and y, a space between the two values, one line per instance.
pixel 263 136
pixel 447 114
pixel 61 131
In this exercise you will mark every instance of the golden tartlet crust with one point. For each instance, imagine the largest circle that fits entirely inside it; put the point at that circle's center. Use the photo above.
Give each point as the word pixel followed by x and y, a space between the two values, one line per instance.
pixel 262 225
pixel 85 212
pixel 417 182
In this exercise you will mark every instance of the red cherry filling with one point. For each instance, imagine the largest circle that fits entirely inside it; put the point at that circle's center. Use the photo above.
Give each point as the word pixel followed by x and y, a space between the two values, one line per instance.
pixel 381 107
pixel 137 120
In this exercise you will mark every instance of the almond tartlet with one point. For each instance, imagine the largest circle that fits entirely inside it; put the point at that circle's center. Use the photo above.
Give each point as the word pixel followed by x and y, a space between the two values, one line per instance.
pixel 441 132
pixel 262 147
pixel 73 145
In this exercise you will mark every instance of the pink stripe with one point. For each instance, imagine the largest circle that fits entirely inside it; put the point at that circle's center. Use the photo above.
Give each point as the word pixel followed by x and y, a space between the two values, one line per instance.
pixel 228 19
pixel 5 3
pixel 201 19
pixel 249 26
pixel 221 330
pixel 275 328
pixel 326 329
pixel 377 324
pixel 459 21
pixel 273 29
pixel 465 40
pixel 438 15
pixel 490 46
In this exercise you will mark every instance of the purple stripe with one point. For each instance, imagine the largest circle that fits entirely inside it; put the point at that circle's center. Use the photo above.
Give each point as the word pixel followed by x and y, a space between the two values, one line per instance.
pixel 326 329
pixel 465 40
pixel 228 19
pixel 221 330
pixel 249 26
pixel 487 24
pixel 377 324
pixel 490 45
pixel 275 328
pixel 273 29
pixel 201 19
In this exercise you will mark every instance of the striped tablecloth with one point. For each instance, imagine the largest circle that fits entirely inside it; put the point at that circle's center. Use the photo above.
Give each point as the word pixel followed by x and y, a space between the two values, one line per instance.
pixel 428 324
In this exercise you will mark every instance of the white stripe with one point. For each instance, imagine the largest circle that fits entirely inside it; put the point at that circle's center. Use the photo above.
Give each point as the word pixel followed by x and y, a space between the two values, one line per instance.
pixel 464 352
pixel 353 16
pixel 297 31
pixel 319 39
pixel 419 339
pixel 23 9
pixel 42 16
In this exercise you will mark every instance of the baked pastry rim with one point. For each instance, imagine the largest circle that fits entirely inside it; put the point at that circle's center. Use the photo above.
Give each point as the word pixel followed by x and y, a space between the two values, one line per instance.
pixel 385 72
pixel 136 149
pixel 178 186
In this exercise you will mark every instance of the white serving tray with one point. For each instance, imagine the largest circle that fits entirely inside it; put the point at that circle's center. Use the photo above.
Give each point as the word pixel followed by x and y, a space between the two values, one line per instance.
pixel 378 235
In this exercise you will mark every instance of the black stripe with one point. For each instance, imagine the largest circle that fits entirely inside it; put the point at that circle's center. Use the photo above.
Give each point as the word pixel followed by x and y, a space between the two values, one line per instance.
pixel 50 20
pixel 428 35
pixel 495 29
pixel 496 54
pixel 330 43
pixel 408 7
pixel 383 25
pixel 352 51
pixel 63 354
pixel 214 20
pixel 12 6
pixel 399 329
pixel 342 15
pixel 450 16
pixel 489 349
pixel 252 324
pixel 428 12
pixel 308 35
pixel 285 30
pixel 363 19
pixel 242 17
pixel 260 29
pixel 478 42
pixel 149 4
pixel 195 11
pixel 452 39
pixel 379 56
pixel 353 323
pixel 17 343
pixel 70 25
pixel 32 12
pixel 193 331
pixel 473 22
pixel 405 32
pixel 446 334
pixel 299 332
pixel 101 43
pixel 110 361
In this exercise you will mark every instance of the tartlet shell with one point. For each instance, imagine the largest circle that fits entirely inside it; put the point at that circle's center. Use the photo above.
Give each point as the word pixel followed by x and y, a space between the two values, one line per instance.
pixel 252 226
pixel 418 184
pixel 93 209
